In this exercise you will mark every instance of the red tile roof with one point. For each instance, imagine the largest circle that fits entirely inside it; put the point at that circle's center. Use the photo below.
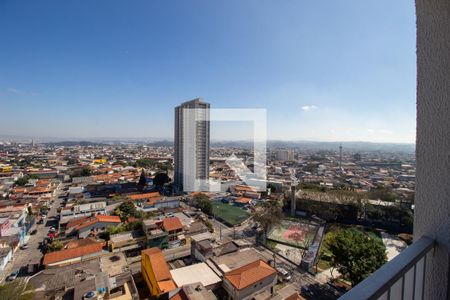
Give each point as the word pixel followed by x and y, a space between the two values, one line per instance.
pixel 77 221
pixel 144 196
pixel 66 254
pixel 105 218
pixel 249 274
pixel 173 223
pixel 167 285
pixel 80 243
pixel 158 262
pixel 243 200
pixel 99 218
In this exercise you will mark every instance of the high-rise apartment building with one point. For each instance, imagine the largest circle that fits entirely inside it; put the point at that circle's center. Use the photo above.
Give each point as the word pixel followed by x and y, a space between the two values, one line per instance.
pixel 191 146
pixel 284 155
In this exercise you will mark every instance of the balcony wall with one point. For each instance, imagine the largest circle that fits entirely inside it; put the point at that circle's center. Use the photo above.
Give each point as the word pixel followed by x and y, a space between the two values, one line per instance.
pixel 432 203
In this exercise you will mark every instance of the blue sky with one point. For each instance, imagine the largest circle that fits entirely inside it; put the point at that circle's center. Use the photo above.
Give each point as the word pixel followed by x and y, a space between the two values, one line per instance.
pixel 324 70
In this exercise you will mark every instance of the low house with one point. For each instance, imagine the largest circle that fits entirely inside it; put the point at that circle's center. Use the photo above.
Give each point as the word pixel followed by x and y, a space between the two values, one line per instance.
pixel 248 280
pixel 156 272
pixel 128 242
pixel 153 201
pixel 81 210
pixel 195 291
pixel 201 246
pixel 200 272
pixel 156 236
pixel 108 276
pixel 87 226
pixel 174 228
pixel 142 198
pixel 245 191
pixel 234 260
pixel 242 201
pixel 73 255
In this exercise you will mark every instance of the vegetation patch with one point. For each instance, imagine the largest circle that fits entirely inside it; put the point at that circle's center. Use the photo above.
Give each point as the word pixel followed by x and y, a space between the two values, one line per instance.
pixel 230 214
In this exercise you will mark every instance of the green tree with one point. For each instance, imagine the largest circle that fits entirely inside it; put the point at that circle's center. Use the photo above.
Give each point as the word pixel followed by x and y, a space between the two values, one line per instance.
pixel 383 194
pixel 17 290
pixel 202 201
pixel 86 171
pixel 355 253
pixel 22 180
pixel 126 210
pixel 160 179
pixel 54 246
pixel 145 163
pixel 268 214
pixel 142 181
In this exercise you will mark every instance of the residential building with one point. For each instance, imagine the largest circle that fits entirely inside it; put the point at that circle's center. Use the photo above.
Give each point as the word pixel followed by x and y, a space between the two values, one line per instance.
pixel 248 280
pixel 128 242
pixel 83 210
pixel 191 155
pixel 196 291
pixel 156 236
pixel 200 272
pixel 156 272
pixel 86 226
pixel 284 155
pixel 174 228
pixel 73 255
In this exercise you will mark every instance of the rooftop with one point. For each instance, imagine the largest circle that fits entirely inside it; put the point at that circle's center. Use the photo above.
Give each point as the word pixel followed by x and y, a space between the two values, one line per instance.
pixel 249 274
pixel 173 223
pixel 195 273
pixel 66 254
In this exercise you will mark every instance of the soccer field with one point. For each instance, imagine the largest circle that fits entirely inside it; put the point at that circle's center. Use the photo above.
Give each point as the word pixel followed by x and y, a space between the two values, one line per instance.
pixel 229 214
pixel 295 233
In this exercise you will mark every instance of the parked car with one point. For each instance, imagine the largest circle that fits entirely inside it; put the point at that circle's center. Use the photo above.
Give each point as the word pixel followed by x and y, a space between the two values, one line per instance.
pixel 89 295
pixel 33 232
pixel 284 274
pixel 12 276
pixel 306 291
pixel 24 246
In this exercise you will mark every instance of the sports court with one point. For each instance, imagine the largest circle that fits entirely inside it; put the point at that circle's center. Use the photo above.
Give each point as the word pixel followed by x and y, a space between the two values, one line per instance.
pixel 298 233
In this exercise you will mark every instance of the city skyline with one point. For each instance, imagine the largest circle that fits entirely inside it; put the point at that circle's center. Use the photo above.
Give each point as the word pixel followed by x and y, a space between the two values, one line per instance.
pixel 325 72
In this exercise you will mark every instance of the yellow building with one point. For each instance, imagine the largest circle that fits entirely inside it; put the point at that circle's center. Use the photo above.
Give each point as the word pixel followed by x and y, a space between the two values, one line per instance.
pixel 5 168
pixel 156 272
pixel 100 161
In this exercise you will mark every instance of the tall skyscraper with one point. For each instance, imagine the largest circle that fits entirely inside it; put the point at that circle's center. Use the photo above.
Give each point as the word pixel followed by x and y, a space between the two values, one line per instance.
pixel 191 146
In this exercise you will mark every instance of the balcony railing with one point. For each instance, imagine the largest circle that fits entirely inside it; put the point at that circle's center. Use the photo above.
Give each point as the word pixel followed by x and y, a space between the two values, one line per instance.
pixel 402 278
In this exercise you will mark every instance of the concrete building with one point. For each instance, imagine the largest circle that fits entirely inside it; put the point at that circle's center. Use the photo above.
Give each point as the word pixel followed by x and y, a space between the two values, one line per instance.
pixel 284 155
pixel 155 272
pixel 200 272
pixel 191 145
pixel 248 280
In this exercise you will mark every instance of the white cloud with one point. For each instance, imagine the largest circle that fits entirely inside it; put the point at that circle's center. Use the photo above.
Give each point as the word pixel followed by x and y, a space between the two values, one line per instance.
pixel 309 107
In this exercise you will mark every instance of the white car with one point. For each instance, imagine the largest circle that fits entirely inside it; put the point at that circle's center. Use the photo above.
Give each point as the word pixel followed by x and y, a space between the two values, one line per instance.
pixel 12 276
pixel 285 274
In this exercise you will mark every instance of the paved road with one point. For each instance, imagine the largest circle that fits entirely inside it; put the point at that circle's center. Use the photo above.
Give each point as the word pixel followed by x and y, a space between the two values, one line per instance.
pixel 33 254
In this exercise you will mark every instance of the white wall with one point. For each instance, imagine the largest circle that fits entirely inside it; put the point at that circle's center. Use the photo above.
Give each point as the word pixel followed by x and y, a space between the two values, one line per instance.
pixel 432 206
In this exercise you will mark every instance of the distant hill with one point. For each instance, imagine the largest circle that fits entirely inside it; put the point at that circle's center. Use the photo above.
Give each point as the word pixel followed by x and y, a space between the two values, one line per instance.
pixel 75 143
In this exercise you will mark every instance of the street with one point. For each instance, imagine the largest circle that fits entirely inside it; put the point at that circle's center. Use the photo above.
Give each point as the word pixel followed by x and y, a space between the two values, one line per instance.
pixel 33 254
